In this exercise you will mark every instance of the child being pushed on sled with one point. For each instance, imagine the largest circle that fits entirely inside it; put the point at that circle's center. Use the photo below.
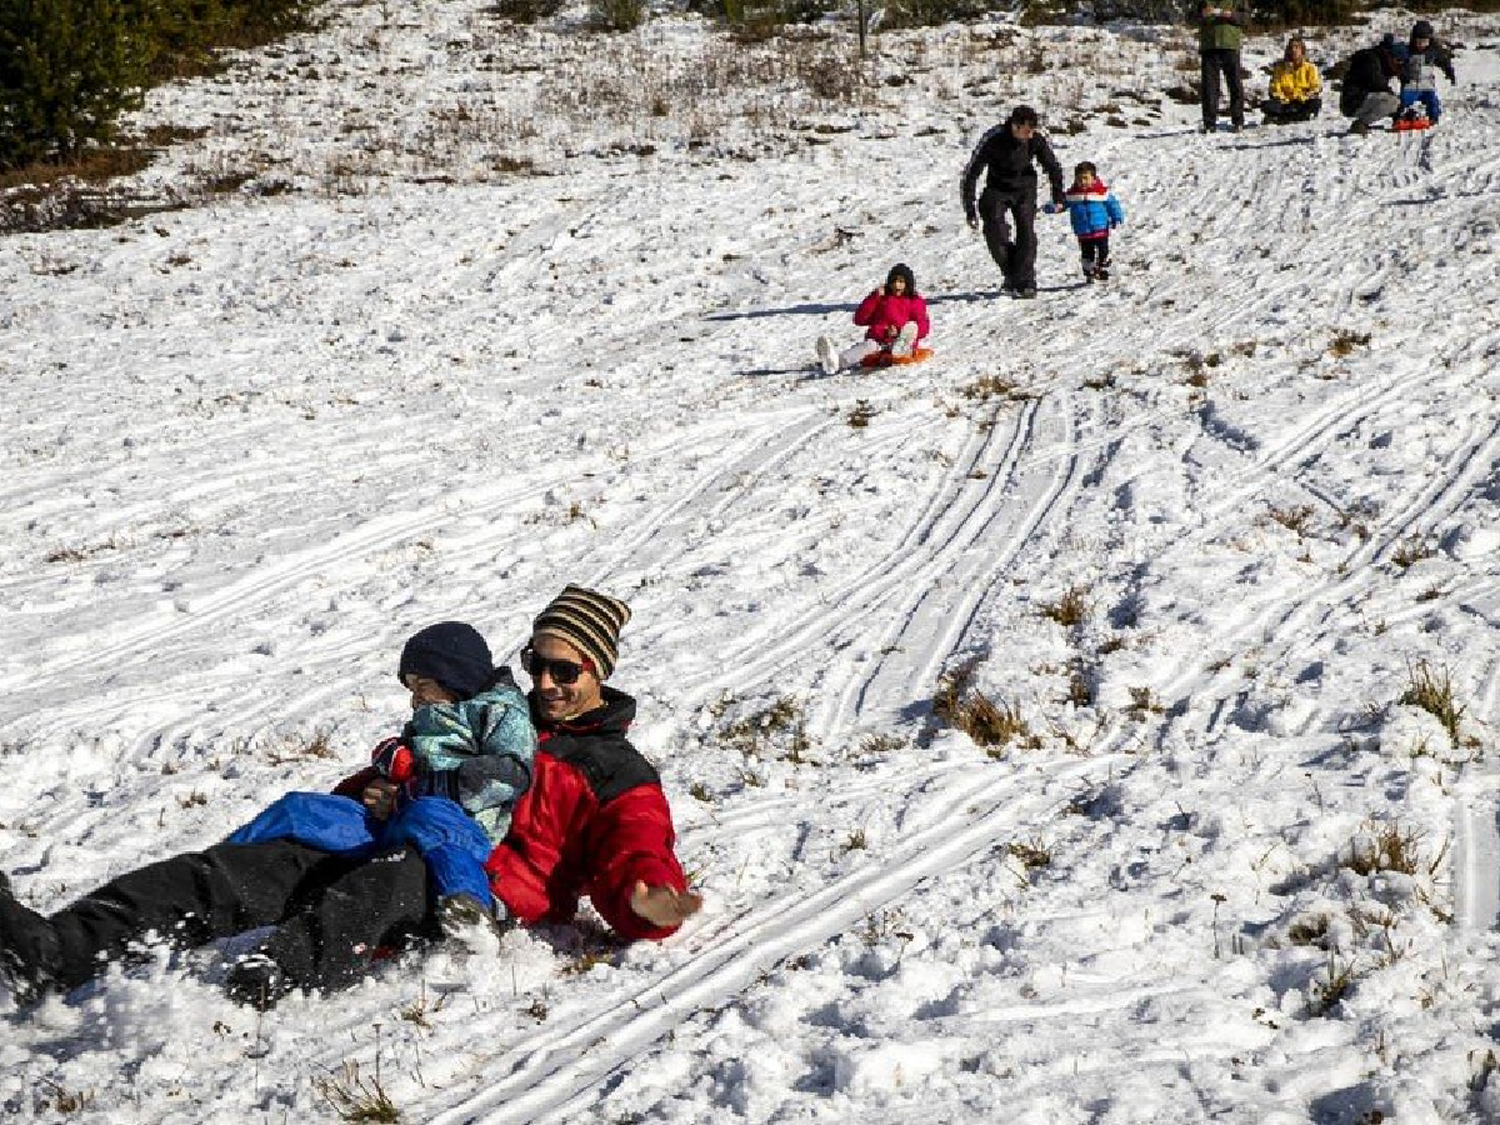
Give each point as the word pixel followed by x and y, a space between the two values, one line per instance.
pixel 1095 212
pixel 894 317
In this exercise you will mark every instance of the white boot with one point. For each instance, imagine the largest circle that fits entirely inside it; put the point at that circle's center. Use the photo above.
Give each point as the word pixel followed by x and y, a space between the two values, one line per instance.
pixel 828 356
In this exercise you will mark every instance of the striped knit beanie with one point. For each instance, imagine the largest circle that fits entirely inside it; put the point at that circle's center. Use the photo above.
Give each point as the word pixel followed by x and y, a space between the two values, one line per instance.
pixel 587 620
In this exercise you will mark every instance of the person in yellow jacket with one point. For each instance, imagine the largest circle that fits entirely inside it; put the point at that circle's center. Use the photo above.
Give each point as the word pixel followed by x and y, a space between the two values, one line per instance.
pixel 1296 89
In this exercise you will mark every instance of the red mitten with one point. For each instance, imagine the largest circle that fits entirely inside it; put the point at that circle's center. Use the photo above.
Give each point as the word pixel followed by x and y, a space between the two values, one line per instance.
pixel 394 760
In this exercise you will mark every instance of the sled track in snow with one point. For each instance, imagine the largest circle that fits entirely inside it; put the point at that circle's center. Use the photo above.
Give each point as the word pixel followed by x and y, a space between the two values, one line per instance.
pixel 1277 465
pixel 542 1072
pixel 963 574
pixel 1282 625
pixel 946 524
pixel 755 455
pixel 258 587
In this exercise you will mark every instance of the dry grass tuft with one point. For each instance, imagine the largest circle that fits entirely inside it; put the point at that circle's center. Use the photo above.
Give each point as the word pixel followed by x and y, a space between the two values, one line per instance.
pixel 995 386
pixel 356 1098
pixel 1070 609
pixel 1432 691
pixel 1344 342
pixel 963 706
pixel 1388 848
pixel 1297 520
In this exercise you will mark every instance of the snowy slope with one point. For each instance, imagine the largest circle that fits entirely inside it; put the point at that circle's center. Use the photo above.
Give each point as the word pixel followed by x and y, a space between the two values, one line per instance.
pixel 253 444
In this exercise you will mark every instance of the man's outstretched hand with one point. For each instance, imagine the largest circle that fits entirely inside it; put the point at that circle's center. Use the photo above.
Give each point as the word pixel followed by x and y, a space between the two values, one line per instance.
pixel 662 906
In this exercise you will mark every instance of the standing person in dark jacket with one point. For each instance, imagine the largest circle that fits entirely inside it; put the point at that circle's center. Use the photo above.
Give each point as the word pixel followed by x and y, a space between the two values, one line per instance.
pixel 594 822
pixel 1008 151
pixel 1220 32
pixel 1366 95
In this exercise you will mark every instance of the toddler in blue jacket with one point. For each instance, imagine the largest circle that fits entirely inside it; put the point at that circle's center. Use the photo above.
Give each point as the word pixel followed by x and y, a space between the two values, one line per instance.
pixel 1095 212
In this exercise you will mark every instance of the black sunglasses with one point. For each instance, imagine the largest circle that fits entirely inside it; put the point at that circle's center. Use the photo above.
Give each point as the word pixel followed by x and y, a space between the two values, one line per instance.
pixel 563 672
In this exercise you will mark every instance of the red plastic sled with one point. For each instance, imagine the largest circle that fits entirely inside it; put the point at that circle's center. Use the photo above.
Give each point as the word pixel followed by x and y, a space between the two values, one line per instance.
pixel 886 359
pixel 1409 124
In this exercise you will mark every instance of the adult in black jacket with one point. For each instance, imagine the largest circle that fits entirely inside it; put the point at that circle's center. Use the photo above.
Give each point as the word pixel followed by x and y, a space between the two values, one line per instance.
pixel 1367 95
pixel 1008 151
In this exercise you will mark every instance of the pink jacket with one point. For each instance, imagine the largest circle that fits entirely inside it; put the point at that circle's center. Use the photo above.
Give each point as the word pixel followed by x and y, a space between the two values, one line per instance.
pixel 886 315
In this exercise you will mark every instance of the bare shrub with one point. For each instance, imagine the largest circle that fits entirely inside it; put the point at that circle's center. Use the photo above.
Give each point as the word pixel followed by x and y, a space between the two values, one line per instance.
pixel 617 15
pixel 525 11
pixel 930 13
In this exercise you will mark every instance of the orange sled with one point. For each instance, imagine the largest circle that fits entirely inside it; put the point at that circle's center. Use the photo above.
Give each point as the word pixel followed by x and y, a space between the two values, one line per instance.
pixel 886 359
pixel 1409 124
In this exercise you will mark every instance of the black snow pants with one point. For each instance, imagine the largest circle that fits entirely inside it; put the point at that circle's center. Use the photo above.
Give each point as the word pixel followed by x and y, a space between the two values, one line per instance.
pixel 1212 63
pixel 330 914
pixel 1015 254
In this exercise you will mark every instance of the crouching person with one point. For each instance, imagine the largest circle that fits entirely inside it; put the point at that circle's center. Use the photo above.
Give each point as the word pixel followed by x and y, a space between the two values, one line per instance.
pixel 1366 95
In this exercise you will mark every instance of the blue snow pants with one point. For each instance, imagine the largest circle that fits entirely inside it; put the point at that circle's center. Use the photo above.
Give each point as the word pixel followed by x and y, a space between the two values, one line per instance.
pixel 452 845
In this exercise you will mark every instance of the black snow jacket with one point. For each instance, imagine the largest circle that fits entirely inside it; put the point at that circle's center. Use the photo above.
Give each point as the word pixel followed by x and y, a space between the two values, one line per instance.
pixel 1011 171
pixel 1370 71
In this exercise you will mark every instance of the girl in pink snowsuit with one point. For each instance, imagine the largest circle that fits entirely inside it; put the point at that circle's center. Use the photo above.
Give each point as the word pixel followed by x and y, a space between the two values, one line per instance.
pixel 895 321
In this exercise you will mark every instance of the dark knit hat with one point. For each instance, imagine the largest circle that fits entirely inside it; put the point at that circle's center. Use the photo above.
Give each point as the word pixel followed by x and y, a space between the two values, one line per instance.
pixel 587 620
pixel 1024 115
pixel 1421 30
pixel 903 271
pixel 453 654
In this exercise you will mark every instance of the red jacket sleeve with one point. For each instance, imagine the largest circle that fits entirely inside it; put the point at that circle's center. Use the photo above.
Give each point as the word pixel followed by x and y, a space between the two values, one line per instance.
pixel 869 308
pixel 631 841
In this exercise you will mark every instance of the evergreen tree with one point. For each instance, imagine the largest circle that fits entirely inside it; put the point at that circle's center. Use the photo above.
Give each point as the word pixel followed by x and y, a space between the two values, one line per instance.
pixel 68 69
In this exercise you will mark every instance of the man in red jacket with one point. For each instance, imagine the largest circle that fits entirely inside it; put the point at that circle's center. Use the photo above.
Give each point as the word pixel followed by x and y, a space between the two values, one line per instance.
pixel 594 822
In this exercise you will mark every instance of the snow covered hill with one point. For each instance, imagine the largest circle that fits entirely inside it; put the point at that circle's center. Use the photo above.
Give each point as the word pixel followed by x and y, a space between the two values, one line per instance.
pixel 495 310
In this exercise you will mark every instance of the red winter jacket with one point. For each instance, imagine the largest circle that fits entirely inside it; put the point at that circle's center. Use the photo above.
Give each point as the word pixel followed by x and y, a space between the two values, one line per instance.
pixel 886 315
pixel 594 821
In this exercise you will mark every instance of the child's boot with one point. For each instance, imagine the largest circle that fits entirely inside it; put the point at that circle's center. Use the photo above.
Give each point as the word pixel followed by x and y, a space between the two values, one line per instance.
pixel 828 356
pixel 467 921
pixel 1101 270
pixel 906 340
pixel 1088 271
